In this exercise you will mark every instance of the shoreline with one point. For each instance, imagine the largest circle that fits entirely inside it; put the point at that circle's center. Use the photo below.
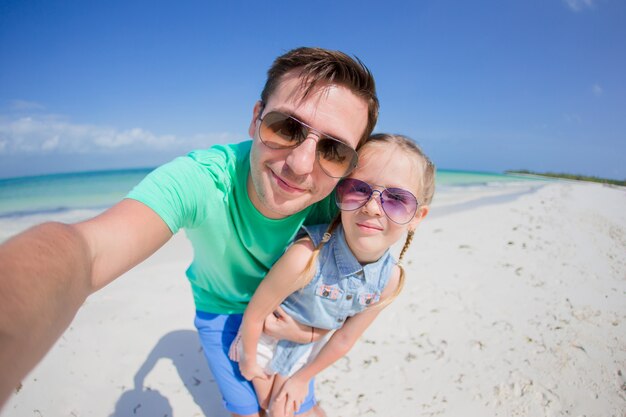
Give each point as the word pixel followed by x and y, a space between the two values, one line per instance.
pixel 568 177
pixel 13 222
pixel 513 306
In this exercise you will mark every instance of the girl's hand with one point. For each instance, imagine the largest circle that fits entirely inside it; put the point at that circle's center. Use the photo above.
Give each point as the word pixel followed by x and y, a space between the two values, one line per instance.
pixel 250 369
pixel 293 393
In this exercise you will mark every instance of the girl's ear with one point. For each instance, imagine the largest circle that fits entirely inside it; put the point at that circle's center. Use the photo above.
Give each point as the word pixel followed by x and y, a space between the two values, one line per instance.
pixel 422 211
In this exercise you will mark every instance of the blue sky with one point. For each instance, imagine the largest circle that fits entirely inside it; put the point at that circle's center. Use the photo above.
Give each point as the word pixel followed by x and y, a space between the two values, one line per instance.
pixel 483 85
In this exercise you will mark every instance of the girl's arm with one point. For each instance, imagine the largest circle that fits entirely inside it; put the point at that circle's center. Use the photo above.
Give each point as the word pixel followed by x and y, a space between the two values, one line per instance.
pixel 295 388
pixel 279 282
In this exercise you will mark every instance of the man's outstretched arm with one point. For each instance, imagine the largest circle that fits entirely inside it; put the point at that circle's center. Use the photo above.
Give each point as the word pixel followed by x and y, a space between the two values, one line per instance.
pixel 47 272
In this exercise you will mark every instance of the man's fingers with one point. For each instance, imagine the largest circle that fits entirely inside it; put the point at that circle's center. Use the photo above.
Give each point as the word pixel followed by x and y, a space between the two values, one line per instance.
pixel 233 351
pixel 279 312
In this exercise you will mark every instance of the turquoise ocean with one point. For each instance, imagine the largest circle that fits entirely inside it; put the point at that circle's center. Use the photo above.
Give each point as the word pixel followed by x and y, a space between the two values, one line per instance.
pixel 74 197
pixel 101 189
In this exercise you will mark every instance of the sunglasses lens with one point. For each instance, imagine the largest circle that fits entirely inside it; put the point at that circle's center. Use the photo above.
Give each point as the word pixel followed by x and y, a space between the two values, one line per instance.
pixel 280 131
pixel 336 158
pixel 399 205
pixel 352 194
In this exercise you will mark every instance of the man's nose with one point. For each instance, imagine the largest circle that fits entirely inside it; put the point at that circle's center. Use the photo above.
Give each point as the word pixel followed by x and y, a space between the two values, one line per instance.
pixel 301 159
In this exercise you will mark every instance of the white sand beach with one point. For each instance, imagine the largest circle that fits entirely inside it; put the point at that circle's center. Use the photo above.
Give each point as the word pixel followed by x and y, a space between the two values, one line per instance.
pixel 515 305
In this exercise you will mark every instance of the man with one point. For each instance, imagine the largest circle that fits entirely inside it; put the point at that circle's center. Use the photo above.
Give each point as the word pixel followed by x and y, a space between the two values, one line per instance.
pixel 240 206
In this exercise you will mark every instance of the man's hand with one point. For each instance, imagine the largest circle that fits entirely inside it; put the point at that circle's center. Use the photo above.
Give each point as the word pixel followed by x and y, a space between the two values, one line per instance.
pixel 281 326
pixel 235 347
pixel 248 368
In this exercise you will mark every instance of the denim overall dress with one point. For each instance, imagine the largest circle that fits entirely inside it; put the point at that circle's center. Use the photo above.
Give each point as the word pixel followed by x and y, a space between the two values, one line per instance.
pixel 340 288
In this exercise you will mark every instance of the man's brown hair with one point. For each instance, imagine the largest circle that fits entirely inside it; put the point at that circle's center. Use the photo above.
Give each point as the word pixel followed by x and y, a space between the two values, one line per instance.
pixel 323 65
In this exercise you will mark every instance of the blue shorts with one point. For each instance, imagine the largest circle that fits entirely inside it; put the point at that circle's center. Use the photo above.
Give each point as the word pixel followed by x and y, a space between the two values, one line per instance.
pixel 217 332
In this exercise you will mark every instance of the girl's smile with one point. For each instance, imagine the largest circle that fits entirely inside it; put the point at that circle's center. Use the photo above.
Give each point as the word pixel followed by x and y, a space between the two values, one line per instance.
pixel 369 227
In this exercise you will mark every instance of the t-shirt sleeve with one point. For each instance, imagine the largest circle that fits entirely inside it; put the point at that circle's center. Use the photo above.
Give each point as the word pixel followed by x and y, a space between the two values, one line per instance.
pixel 180 191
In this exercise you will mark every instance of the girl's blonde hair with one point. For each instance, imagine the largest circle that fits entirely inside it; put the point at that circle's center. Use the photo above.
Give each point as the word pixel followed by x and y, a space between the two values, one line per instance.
pixel 426 185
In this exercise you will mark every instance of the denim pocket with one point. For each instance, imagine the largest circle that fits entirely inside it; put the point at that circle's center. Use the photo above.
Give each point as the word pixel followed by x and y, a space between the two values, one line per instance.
pixel 328 292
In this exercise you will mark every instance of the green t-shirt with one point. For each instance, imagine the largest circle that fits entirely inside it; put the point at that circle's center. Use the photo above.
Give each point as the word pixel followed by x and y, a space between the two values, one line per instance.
pixel 234 245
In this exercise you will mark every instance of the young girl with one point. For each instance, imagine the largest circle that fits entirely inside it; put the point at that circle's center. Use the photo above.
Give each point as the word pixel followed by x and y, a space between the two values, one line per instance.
pixel 338 276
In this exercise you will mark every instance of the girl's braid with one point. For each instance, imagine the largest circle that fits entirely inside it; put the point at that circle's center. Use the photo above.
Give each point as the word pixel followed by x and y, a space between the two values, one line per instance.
pixel 407 243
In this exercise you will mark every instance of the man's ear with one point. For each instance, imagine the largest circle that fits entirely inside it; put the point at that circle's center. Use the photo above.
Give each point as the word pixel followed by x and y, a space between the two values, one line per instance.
pixel 256 113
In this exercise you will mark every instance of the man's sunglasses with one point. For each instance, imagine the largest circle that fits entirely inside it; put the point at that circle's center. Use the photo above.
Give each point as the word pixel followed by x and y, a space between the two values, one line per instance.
pixel 281 131
pixel 399 205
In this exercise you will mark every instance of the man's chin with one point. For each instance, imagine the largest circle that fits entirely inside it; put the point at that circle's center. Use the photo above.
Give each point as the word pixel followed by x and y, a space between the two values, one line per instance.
pixel 279 206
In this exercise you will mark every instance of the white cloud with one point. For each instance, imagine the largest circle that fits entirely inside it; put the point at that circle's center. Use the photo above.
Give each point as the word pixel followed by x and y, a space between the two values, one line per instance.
pixel 50 144
pixel 21 105
pixel 579 5
pixel 111 139
pixel 597 90
pixel 50 133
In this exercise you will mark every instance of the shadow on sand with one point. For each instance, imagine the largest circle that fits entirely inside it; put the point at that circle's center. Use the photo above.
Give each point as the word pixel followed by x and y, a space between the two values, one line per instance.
pixel 182 347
